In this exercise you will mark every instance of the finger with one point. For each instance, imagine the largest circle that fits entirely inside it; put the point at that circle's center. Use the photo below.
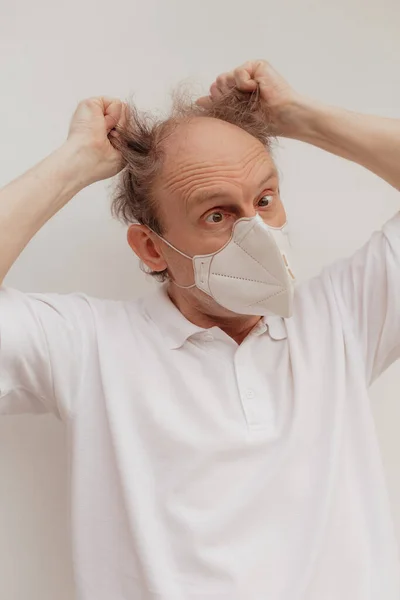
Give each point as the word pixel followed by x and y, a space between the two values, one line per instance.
pixel 116 132
pixel 224 82
pixel 244 78
pixel 230 79
pixel 204 102
pixel 123 118
pixel 111 108
pixel 102 102
pixel 108 100
pixel 113 113
pixel 215 92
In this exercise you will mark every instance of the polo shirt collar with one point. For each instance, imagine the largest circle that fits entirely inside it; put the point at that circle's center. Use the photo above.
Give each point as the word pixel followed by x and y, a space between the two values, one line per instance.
pixel 176 328
pixel 173 325
pixel 276 327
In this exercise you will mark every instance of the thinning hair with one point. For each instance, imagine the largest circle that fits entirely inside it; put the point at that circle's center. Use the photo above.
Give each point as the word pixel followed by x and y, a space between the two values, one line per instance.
pixel 141 143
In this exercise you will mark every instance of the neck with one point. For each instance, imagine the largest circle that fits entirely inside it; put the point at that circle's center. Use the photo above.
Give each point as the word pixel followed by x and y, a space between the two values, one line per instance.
pixel 234 325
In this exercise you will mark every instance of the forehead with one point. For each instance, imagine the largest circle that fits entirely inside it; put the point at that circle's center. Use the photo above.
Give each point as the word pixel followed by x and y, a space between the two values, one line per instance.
pixel 207 151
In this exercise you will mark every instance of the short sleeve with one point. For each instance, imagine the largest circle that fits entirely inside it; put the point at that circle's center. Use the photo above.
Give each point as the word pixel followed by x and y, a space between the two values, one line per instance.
pixel 44 343
pixel 367 289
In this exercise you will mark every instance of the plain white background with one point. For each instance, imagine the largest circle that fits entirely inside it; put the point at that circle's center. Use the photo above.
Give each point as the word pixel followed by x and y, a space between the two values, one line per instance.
pixel 51 56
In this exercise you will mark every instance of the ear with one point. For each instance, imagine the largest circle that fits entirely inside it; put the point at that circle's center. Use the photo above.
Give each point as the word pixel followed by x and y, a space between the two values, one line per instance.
pixel 145 245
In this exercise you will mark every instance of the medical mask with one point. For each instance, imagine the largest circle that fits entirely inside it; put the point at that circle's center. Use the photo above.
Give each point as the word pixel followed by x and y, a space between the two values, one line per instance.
pixel 250 274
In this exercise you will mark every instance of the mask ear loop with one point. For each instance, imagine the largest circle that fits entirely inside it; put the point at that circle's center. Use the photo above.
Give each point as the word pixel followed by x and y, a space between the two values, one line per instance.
pixel 202 264
pixel 183 287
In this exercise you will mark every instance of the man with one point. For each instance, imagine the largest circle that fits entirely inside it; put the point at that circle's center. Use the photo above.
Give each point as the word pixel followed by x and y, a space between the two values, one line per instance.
pixel 221 440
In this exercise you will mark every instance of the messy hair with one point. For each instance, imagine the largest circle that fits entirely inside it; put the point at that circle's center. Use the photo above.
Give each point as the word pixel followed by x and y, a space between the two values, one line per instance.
pixel 141 143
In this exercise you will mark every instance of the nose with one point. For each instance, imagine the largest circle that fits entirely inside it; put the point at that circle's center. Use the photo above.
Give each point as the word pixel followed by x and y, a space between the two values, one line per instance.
pixel 247 213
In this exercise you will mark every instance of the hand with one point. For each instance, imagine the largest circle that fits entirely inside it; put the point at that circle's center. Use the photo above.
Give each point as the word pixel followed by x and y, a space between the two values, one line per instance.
pixel 91 130
pixel 275 91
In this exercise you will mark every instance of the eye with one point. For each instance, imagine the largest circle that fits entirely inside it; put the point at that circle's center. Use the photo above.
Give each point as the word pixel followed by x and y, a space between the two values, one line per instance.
pixel 215 217
pixel 265 201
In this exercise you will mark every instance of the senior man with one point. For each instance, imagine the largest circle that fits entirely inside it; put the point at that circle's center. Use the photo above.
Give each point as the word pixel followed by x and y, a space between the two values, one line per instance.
pixel 220 435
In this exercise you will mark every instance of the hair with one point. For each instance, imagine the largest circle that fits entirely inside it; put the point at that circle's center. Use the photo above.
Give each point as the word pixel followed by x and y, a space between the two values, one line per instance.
pixel 141 143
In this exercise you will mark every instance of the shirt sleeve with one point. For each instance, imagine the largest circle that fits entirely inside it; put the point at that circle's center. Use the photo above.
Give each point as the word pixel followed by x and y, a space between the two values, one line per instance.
pixel 367 289
pixel 44 343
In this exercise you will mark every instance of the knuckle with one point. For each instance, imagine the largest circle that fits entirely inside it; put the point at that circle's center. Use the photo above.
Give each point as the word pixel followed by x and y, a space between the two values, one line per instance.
pixel 213 87
pixel 89 101
pixel 245 68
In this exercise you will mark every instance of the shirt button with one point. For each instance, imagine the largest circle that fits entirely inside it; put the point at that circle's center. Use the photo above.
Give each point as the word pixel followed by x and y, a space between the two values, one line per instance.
pixel 249 394
pixel 208 337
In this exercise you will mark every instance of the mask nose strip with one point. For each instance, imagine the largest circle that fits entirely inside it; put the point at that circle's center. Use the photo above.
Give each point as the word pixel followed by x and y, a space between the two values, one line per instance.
pixel 202 272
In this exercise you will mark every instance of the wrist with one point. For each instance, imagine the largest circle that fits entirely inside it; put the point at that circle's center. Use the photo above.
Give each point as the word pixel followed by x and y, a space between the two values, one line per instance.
pixel 78 166
pixel 297 118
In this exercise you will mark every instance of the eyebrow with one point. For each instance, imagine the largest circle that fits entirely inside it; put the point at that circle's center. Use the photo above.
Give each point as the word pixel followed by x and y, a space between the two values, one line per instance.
pixel 203 196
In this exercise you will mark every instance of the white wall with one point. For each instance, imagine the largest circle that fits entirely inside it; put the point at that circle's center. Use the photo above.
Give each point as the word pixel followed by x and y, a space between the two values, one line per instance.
pixel 52 55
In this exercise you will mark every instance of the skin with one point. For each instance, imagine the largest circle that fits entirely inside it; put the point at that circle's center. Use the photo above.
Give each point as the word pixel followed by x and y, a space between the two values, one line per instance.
pixel 87 156
pixel 214 174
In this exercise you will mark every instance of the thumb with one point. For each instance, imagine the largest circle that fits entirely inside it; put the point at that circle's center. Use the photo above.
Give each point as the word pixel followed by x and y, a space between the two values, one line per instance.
pixel 113 113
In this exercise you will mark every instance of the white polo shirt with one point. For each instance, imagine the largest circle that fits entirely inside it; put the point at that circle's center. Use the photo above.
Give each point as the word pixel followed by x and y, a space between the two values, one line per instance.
pixel 204 470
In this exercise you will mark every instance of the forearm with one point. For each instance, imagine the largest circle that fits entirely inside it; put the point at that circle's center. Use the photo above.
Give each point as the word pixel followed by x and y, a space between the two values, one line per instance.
pixel 371 141
pixel 29 201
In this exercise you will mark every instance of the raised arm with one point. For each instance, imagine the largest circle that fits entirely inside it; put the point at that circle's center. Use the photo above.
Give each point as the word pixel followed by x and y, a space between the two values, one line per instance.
pixel 371 141
pixel 46 340
pixel 29 201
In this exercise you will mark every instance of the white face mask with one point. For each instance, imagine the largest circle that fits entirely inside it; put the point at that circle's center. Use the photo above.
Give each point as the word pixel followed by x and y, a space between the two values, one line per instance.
pixel 250 274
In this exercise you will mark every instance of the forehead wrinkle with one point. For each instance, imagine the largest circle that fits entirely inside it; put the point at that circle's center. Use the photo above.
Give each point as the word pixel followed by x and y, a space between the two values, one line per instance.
pixel 253 163
pixel 216 188
pixel 186 174
pixel 220 178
